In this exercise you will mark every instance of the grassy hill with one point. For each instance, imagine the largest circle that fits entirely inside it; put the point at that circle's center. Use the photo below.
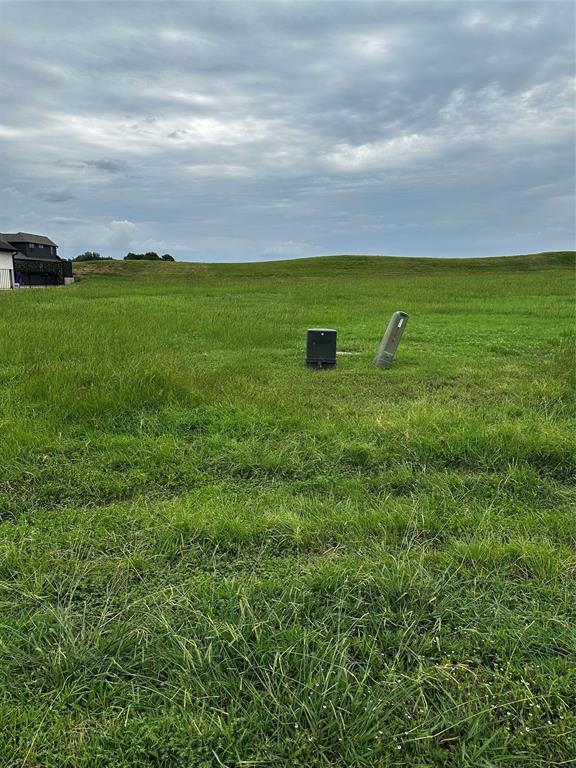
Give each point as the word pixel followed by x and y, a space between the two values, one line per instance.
pixel 211 556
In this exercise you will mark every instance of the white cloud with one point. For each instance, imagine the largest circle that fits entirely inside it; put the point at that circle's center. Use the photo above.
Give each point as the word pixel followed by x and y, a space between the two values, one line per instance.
pixel 489 118
pixel 175 35
pixel 9 133
pixel 187 97
pixel 149 134
pixel 96 236
pixel 376 44
pixel 219 170
pixel 398 152
pixel 496 21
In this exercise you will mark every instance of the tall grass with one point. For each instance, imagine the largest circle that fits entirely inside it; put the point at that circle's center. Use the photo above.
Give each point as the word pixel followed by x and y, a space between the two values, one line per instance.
pixel 212 556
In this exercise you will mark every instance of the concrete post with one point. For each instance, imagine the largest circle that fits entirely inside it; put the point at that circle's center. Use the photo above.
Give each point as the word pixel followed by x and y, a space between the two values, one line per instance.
pixel 391 339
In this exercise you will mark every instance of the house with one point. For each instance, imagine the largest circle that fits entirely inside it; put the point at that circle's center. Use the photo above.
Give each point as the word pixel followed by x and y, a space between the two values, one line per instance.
pixel 36 261
pixel 7 252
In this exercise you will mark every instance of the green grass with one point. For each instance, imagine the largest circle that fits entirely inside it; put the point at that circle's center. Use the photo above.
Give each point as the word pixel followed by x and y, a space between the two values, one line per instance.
pixel 211 556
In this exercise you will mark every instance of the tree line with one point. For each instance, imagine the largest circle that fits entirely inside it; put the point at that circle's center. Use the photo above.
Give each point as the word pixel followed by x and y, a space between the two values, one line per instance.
pixel 149 256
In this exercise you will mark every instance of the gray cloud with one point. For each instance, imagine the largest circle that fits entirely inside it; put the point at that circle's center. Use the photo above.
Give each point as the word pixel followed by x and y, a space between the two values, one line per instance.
pixel 110 166
pixel 228 131
pixel 56 196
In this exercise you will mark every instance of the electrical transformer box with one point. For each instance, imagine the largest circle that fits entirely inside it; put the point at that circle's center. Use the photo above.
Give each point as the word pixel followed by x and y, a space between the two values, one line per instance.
pixel 321 348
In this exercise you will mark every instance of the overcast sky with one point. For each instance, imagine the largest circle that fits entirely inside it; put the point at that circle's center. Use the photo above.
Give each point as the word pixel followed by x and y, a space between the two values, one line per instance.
pixel 229 131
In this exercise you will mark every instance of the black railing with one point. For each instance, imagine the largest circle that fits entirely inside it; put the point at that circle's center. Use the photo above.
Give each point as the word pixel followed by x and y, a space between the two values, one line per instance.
pixel 40 272
pixel 67 269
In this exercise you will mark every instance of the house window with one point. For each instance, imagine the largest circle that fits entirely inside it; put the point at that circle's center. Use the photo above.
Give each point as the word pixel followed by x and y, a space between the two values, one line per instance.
pixel 40 245
pixel 31 245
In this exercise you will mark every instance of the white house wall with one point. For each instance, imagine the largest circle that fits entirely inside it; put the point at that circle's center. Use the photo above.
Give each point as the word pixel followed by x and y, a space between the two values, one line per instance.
pixel 6 271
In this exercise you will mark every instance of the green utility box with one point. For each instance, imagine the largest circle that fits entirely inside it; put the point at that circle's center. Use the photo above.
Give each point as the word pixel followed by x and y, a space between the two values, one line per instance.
pixel 321 348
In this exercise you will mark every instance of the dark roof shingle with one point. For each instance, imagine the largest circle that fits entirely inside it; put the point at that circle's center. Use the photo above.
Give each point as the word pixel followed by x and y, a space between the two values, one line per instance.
pixel 5 245
pixel 26 237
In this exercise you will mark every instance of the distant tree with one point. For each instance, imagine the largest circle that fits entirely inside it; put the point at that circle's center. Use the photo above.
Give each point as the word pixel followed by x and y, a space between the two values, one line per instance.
pixel 149 256
pixel 167 257
pixel 91 256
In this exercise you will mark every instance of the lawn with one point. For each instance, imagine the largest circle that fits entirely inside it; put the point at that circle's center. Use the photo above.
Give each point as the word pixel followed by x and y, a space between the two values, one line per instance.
pixel 212 557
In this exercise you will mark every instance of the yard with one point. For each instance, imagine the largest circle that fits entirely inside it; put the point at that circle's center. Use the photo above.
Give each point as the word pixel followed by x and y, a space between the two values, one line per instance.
pixel 211 556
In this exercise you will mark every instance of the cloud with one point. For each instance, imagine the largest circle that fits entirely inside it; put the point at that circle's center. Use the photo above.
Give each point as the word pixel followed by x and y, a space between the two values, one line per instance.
pixel 150 134
pixel 57 196
pixel 399 152
pixel 216 170
pixel 470 125
pixel 111 166
pixel 112 236
pixel 236 131
pixel 495 20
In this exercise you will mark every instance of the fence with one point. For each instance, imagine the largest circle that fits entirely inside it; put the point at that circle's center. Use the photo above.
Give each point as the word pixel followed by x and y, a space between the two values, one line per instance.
pixel 6 280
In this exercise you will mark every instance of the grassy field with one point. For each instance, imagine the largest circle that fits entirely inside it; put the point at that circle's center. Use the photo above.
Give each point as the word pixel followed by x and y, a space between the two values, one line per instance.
pixel 213 557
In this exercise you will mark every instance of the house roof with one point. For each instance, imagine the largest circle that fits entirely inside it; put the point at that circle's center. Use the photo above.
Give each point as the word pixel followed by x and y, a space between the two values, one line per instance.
pixel 26 237
pixel 5 245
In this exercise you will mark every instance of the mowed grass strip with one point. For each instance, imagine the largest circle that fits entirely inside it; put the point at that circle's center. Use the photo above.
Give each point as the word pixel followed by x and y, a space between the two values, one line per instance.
pixel 211 556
